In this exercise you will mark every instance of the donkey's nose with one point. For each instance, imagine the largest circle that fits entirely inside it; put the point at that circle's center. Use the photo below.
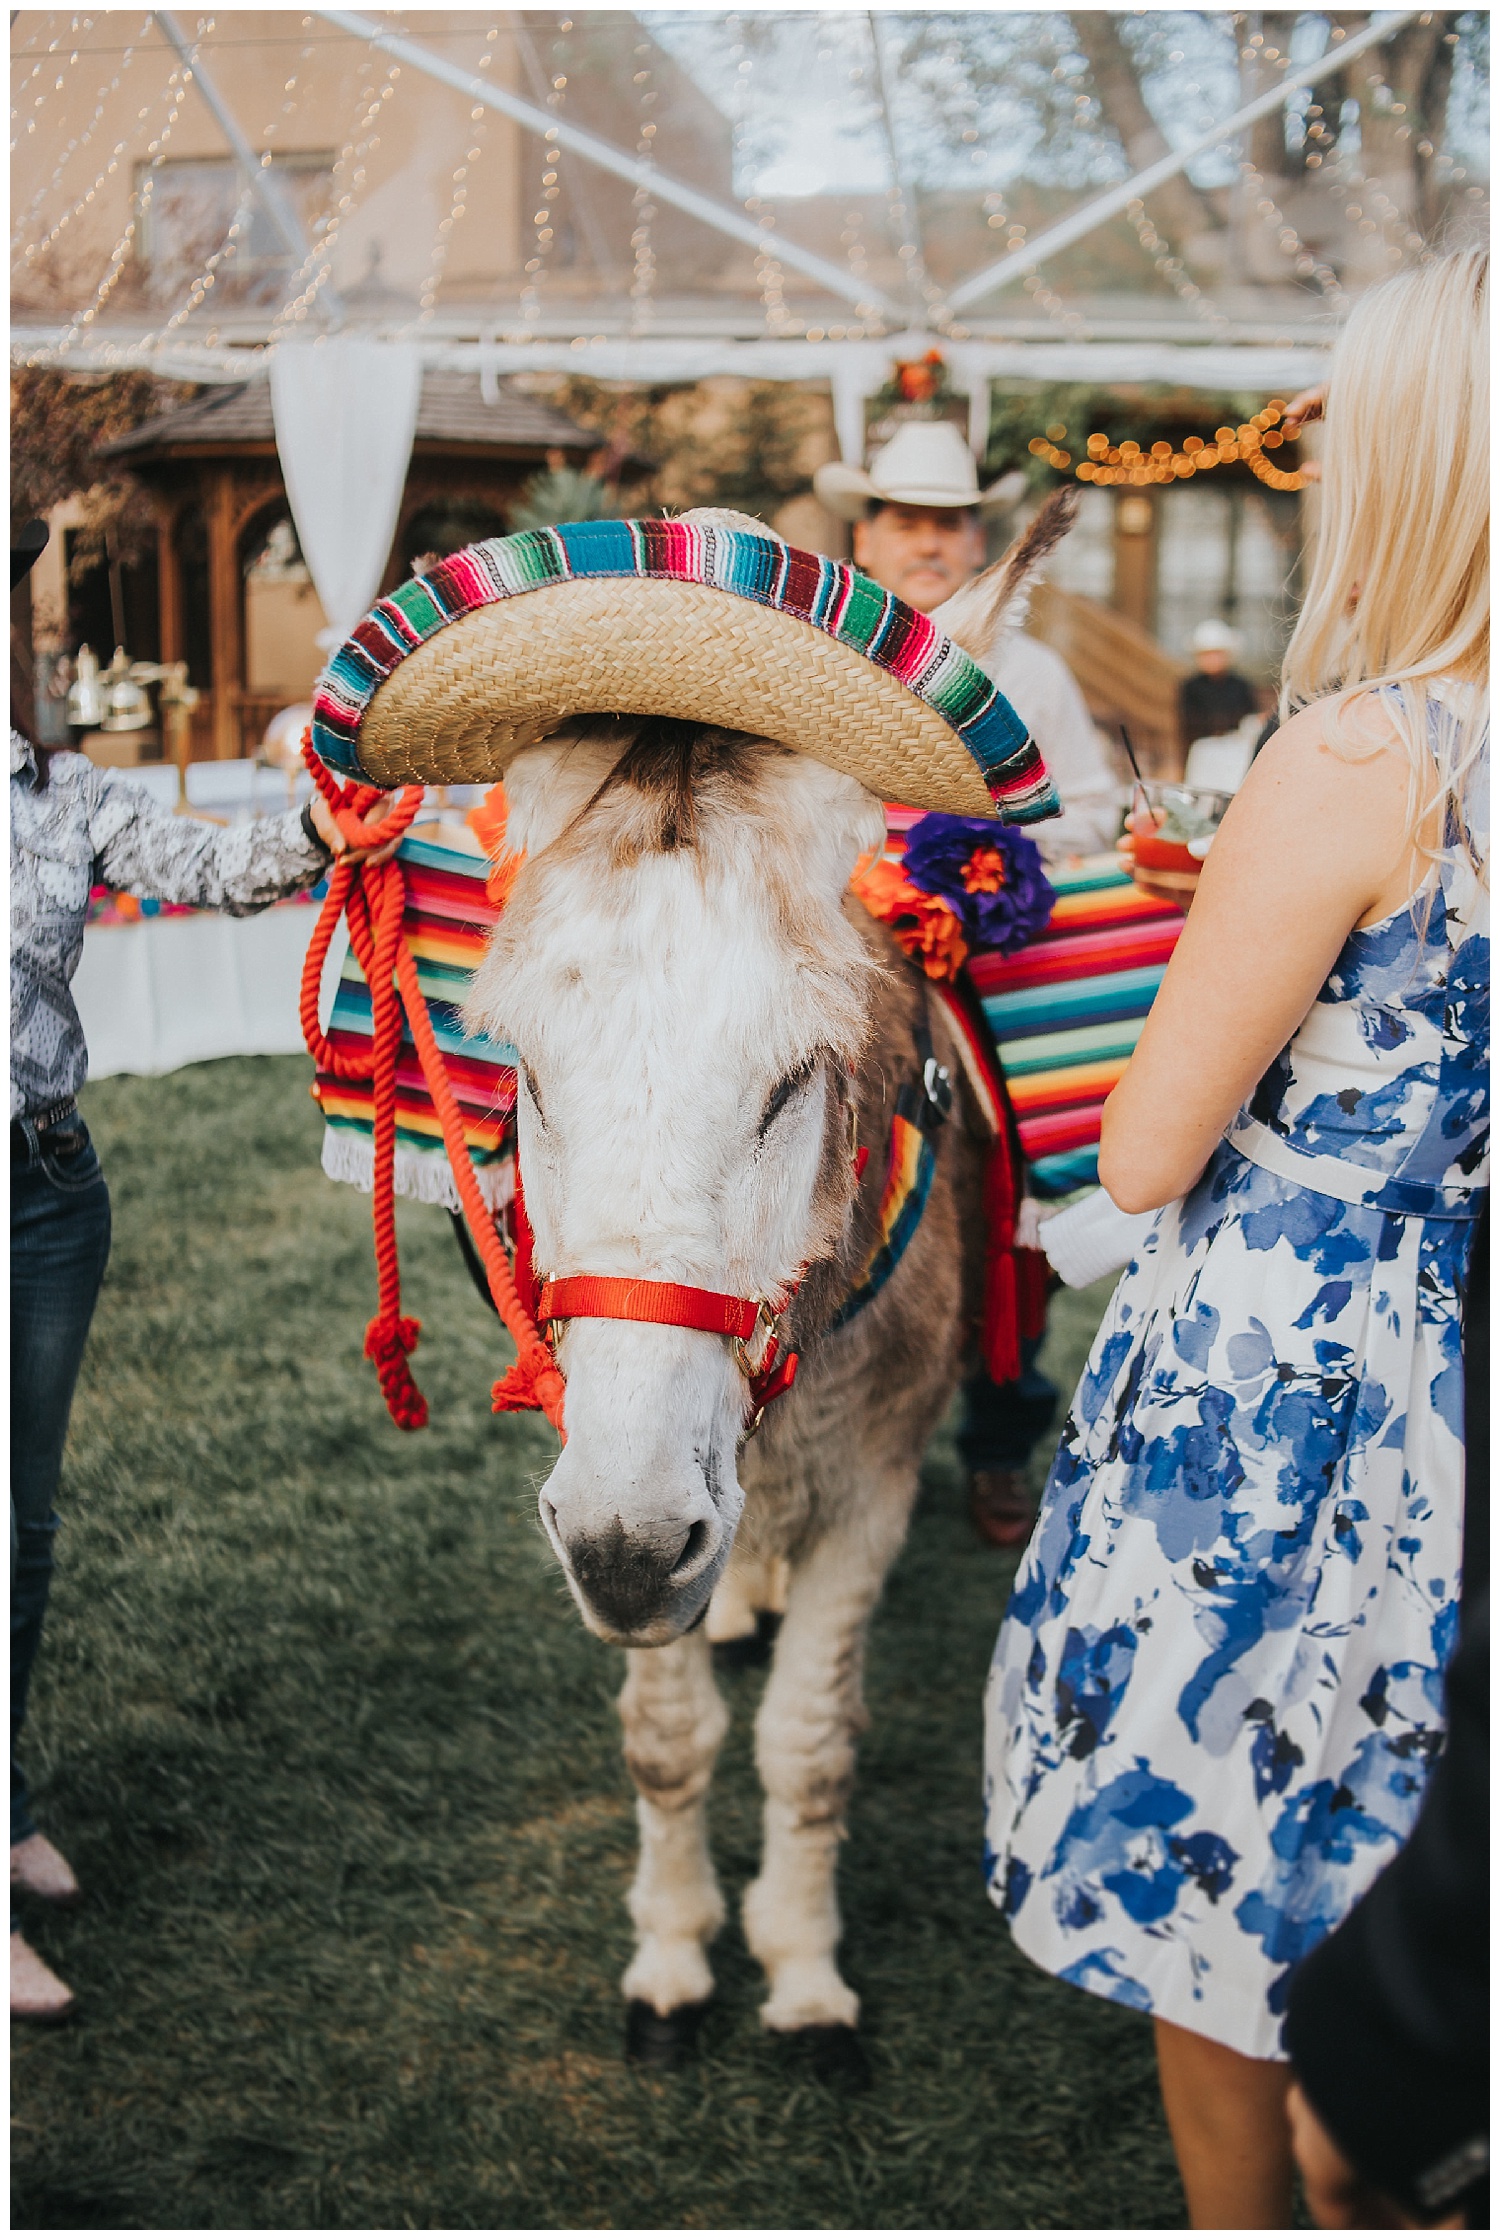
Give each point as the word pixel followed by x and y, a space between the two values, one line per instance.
pixel 631 1578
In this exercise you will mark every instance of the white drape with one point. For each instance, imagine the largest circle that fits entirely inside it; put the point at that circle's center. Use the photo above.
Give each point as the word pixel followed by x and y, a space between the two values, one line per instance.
pixel 345 411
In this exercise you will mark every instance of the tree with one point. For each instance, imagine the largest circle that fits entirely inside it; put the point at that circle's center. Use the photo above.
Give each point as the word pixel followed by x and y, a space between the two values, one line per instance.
pixel 57 423
pixel 1184 212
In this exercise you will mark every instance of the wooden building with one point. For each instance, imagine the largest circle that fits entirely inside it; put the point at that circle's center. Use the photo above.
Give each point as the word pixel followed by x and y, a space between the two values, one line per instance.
pixel 233 598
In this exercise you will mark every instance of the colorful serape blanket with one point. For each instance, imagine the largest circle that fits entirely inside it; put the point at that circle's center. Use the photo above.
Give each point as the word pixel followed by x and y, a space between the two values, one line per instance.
pixel 449 918
pixel 828 594
pixel 1067 1010
pixel 107 907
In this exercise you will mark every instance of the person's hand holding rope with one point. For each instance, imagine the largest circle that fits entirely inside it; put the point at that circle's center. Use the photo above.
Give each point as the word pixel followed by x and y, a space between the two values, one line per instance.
pixel 330 832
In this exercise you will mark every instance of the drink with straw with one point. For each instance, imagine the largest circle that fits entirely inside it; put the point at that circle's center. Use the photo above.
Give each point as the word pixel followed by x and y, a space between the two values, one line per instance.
pixel 1171 829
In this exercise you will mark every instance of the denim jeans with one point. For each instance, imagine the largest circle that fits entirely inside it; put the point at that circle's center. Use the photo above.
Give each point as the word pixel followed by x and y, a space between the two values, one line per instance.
pixel 1003 1422
pixel 59 1243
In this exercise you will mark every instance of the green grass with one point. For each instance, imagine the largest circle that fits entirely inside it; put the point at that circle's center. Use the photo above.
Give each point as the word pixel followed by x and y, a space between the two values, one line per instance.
pixel 340 1770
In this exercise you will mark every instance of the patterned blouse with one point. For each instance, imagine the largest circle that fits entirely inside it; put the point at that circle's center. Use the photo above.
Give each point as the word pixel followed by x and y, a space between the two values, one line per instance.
pixel 89 825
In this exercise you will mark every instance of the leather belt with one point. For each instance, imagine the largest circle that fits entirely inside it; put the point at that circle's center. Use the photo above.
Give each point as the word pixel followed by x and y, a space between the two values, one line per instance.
pixel 55 1116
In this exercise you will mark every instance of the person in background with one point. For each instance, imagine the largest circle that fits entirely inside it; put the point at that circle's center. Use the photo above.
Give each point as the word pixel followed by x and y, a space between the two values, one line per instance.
pixel 1388 2022
pixel 73 825
pixel 918 516
pixel 1217 1698
pixel 1215 698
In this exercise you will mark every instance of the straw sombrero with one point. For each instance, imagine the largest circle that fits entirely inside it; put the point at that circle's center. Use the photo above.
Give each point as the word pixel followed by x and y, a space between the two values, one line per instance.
pixel 448 678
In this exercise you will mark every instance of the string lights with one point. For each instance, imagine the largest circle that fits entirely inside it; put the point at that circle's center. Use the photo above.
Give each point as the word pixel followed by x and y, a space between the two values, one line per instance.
pixel 79 140
pixel 1109 465
pixel 36 250
pixel 548 194
pixel 1072 322
pixel 643 276
pixel 1289 241
pixel 458 200
pixel 177 86
pixel 1173 270
pixel 208 278
pixel 851 240
pixel 78 24
pixel 902 215
pixel 349 173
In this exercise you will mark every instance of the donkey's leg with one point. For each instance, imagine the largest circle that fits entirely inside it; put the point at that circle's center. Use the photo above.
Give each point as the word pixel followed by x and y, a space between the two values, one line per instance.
pixel 810 1717
pixel 674 1721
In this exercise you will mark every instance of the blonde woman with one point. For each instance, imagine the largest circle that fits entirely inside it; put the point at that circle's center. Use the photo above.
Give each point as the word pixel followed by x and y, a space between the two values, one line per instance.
pixel 1218 1689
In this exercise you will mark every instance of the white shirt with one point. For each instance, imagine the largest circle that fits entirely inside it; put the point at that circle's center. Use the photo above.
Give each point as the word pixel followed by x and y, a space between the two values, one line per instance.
pixel 1041 688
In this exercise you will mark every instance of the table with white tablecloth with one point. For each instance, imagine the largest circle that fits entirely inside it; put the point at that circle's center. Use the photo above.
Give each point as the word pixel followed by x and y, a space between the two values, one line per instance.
pixel 168 991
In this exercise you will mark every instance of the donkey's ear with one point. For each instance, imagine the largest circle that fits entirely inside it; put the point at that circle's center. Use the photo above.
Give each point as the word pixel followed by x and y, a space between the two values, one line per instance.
pixel 999 598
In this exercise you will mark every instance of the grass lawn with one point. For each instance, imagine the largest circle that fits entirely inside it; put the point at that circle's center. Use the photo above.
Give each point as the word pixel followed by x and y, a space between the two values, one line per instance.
pixel 340 1770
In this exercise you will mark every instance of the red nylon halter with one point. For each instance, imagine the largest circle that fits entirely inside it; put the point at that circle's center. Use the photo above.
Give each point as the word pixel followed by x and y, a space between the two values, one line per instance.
pixel 683 1306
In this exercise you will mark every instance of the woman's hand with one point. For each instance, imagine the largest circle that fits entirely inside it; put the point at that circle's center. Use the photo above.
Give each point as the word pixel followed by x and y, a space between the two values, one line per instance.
pixel 1303 410
pixel 327 827
pixel 1181 898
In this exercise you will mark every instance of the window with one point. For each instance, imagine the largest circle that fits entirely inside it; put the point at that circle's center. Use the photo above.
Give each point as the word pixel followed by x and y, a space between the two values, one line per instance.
pixel 191 205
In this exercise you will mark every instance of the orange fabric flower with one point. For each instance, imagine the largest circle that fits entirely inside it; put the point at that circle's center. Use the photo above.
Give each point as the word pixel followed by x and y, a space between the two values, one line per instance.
pixel 487 821
pixel 984 873
pixel 927 929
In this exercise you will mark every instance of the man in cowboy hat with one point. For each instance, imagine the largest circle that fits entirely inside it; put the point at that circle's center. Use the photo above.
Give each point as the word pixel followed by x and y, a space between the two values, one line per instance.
pixel 918 515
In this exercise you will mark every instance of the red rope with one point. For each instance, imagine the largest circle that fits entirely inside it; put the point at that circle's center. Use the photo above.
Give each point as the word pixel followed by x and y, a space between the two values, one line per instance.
pixel 373 898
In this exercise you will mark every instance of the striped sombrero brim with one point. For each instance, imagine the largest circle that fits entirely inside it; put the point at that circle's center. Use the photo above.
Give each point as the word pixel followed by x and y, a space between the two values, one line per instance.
pixel 502 644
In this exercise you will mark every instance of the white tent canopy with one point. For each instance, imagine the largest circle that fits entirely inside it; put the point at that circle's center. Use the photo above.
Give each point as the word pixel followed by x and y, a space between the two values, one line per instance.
pixel 239 226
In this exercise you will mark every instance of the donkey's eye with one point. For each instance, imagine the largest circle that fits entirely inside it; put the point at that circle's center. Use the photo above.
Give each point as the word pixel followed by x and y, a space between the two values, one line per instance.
pixel 784 1091
pixel 532 1091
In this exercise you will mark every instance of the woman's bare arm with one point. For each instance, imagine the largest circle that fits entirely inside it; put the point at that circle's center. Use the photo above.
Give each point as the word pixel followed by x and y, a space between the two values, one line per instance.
pixel 1312 844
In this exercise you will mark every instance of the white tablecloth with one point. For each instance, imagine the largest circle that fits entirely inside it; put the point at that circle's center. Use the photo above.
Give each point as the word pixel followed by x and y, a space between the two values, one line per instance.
pixel 167 992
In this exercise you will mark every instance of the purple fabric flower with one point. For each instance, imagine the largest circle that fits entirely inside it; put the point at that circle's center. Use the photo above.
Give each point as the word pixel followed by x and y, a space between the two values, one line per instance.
pixel 990 874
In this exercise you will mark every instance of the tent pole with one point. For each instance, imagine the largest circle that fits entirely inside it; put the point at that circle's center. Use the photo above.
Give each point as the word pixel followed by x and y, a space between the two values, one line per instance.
pixel 1108 205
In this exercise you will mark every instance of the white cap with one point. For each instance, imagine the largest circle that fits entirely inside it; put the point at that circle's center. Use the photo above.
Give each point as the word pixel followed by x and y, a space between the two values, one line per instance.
pixel 1215 637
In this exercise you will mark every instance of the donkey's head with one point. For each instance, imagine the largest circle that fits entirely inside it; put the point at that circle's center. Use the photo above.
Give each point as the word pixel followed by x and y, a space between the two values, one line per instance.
pixel 686 997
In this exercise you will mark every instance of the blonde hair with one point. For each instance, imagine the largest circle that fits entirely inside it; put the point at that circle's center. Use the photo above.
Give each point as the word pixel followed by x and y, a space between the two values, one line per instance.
pixel 1398 594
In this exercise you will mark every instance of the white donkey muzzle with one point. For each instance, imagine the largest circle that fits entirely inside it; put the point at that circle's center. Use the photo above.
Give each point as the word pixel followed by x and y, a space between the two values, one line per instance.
pixel 642 1503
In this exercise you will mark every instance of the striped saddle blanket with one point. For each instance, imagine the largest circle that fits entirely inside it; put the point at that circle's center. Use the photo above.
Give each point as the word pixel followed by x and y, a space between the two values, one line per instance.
pixel 1065 1012
pixel 449 918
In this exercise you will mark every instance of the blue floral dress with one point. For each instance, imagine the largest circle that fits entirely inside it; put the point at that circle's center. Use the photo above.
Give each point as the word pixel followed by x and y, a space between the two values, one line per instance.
pixel 1218 1688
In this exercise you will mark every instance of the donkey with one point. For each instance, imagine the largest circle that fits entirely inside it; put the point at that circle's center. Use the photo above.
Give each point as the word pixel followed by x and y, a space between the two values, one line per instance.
pixel 708 1029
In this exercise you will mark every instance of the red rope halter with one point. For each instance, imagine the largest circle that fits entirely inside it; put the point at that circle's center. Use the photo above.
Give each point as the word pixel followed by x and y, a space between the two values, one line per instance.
pixel 373 898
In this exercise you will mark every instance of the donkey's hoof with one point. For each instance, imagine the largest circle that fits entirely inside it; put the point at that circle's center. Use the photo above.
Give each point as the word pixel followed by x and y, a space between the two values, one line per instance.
pixel 834 2054
pixel 662 2041
pixel 748 1649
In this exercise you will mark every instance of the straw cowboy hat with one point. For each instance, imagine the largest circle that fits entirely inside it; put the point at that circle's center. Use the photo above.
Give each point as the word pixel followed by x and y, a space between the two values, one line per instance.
pixel 926 463
pixel 710 618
